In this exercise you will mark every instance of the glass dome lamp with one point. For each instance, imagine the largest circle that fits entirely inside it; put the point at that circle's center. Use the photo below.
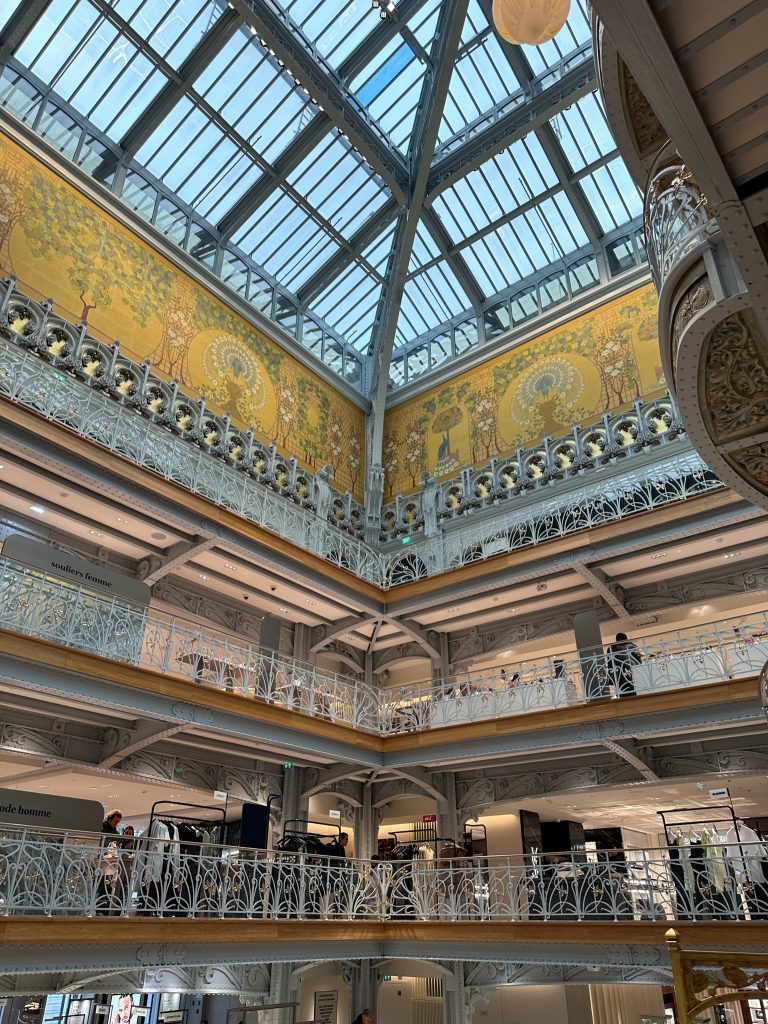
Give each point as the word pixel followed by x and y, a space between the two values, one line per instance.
pixel 529 21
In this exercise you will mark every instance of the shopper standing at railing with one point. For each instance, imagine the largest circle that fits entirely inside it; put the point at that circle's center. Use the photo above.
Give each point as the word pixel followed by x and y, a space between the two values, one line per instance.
pixel 623 656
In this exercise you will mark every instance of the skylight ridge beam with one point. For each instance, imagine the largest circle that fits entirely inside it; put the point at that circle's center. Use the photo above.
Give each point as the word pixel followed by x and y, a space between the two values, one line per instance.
pixel 285 40
pixel 433 95
pixel 518 122
pixel 365 234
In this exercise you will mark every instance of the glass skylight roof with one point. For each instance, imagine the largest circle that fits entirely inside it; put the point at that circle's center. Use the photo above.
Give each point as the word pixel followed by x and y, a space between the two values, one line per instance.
pixel 232 155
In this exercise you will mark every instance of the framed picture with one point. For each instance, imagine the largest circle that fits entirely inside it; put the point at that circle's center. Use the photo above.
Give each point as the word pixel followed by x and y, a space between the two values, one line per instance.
pixel 326 1007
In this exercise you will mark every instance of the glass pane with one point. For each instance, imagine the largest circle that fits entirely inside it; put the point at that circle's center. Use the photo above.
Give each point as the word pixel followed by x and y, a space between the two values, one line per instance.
pixel 333 355
pixel 621 255
pixel 61 130
pixel 19 96
pixel 465 335
pixel 139 194
pixel 286 314
pixel 418 361
pixel 234 272
pixel 440 349
pixel 201 244
pixel 312 337
pixel 171 220
pixel 496 321
pixel 353 368
pixel 524 305
pixel 397 371
pixel 552 290
pixel 584 274
pixel 98 160
pixel 260 294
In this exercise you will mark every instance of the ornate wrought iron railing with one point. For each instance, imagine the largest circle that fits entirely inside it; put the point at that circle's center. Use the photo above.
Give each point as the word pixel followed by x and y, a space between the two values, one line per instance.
pixel 728 649
pixel 83 875
pixel 61 373
pixel 600 501
pixel 677 215
pixel 613 438
pixel 36 604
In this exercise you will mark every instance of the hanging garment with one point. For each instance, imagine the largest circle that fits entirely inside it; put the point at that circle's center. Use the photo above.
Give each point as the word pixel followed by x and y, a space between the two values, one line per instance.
pixel 746 853
pixel 714 859
pixel 155 849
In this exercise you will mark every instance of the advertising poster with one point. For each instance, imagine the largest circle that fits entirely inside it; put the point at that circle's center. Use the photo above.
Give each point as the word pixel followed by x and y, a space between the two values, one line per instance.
pixel 124 1009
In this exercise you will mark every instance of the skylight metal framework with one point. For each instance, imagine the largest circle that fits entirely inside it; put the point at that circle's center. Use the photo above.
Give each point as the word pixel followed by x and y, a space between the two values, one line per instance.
pixel 289 144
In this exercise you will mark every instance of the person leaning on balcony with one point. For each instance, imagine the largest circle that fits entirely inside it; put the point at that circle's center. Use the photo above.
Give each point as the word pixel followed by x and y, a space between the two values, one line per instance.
pixel 107 891
pixel 623 655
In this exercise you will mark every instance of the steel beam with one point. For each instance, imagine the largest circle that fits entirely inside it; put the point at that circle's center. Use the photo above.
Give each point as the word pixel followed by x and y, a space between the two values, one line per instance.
pixel 21 22
pixel 515 124
pixel 284 39
pixel 610 592
pixel 434 92
pixel 209 46
pixel 454 259
pixel 154 567
pixel 364 236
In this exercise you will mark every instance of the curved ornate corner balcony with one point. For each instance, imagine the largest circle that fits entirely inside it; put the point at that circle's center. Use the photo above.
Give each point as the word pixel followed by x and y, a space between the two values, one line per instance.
pixel 647 425
pixel 60 874
pixel 713 341
pixel 61 373
pixel 38 605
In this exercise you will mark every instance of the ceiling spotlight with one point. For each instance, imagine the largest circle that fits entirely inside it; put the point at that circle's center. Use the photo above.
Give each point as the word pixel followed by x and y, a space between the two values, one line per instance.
pixel 253 30
pixel 285 610
pixel 37 509
pixel 203 576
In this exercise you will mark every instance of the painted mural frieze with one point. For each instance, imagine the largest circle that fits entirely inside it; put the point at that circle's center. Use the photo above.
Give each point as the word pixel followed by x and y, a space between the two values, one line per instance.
pixel 601 361
pixel 61 246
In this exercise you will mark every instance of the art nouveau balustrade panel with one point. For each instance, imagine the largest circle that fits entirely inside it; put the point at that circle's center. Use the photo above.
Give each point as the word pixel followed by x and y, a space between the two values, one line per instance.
pixel 81 875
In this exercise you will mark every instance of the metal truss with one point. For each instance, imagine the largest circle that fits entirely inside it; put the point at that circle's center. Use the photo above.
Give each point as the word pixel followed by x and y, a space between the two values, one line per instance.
pixel 434 92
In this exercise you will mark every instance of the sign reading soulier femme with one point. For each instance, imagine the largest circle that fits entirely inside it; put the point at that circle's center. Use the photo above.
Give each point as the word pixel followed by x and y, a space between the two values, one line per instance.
pixel 49 811
pixel 64 566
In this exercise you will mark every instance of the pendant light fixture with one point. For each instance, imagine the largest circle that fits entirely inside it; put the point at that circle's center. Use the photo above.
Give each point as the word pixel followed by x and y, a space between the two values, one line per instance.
pixel 529 21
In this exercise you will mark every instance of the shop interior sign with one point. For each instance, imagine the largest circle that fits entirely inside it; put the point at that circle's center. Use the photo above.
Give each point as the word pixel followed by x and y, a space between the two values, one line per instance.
pixel 61 564
pixel 45 809
pixel 326 1006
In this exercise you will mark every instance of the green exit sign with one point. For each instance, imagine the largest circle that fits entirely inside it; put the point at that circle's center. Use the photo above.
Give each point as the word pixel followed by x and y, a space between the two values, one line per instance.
pixel 387 977
pixel 287 764
pixel 405 540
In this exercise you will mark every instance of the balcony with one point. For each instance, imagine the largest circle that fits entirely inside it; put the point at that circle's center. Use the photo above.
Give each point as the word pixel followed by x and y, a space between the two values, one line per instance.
pixel 714 349
pixel 46 873
pixel 200 661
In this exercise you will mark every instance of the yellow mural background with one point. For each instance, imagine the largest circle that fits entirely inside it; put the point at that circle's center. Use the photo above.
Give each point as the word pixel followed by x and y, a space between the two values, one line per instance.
pixel 63 247
pixel 601 360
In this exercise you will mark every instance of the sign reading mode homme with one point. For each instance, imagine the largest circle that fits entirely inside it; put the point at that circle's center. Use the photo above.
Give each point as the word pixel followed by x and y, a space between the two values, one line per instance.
pixel 76 569
pixel 48 811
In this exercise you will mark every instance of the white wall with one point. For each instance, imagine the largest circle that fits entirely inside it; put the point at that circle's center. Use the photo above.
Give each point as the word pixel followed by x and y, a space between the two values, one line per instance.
pixel 319 979
pixel 395 1003
pixel 530 1004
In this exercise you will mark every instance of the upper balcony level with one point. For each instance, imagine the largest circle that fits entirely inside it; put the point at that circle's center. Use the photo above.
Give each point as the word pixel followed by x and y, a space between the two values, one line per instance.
pixel 625 464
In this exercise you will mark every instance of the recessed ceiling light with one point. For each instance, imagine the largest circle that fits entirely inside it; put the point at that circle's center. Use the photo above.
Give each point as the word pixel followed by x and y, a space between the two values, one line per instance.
pixel 37 509
pixel 229 565
pixel 95 533
pixel 454 609
pixel 203 576
pixel 284 610
pixel 121 519
pixel 310 601
pixel 2 466
pixel 661 554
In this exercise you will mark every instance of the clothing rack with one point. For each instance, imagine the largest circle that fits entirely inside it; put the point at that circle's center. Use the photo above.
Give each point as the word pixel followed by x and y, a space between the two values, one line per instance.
pixel 420 836
pixel 287 831
pixel 712 819
pixel 217 821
